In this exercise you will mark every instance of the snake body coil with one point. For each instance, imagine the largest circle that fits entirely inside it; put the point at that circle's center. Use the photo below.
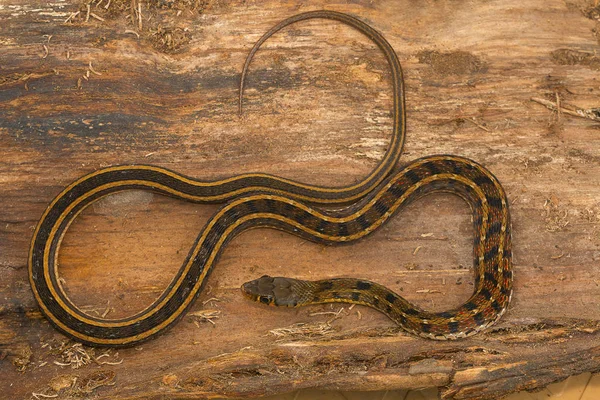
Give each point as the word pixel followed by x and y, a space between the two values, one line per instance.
pixel 491 249
pixel 268 201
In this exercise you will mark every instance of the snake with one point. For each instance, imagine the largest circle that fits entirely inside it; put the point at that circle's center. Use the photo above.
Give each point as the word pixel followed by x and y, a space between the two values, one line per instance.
pixel 492 249
pixel 329 215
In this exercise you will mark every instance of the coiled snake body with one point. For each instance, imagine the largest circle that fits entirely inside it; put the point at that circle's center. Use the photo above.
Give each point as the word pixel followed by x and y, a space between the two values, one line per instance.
pixel 260 200
pixel 492 249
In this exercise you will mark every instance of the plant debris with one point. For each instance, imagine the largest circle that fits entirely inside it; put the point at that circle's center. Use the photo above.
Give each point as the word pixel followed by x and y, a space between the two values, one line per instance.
pixel 303 330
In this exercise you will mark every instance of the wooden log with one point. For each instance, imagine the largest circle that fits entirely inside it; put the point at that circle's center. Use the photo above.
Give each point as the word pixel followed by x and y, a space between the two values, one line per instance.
pixel 86 85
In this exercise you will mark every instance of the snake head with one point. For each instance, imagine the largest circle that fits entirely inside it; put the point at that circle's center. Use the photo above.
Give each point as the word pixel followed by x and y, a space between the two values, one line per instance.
pixel 273 291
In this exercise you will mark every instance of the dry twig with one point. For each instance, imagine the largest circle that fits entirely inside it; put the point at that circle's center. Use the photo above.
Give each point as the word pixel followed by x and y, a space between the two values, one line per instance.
pixel 133 33
pixel 96 16
pixel 302 329
pixel 73 15
pixel 92 70
pixel 587 113
pixel 477 124
pixel 205 316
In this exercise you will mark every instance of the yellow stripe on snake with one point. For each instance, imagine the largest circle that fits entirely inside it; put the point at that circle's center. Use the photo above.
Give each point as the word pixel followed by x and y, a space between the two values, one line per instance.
pixel 261 200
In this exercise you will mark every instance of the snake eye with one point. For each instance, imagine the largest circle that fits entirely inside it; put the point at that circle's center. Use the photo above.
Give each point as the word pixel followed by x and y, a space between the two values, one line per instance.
pixel 266 299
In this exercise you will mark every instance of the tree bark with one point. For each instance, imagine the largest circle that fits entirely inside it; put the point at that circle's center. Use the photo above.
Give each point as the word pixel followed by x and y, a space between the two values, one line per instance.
pixel 155 82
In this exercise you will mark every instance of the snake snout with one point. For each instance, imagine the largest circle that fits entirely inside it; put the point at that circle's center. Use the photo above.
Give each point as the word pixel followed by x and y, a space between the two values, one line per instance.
pixel 272 291
pixel 260 289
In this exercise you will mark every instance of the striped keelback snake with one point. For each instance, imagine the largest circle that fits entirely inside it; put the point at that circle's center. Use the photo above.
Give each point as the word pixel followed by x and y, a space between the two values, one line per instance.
pixel 269 201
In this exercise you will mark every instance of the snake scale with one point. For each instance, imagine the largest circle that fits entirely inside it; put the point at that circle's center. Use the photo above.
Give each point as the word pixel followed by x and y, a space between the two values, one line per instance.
pixel 261 200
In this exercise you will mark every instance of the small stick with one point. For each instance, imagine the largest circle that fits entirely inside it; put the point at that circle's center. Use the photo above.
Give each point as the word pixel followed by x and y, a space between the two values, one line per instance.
pixel 210 300
pixel 133 11
pixel 581 113
pixel 140 16
pixel 49 396
pixel 99 18
pixel 46 52
pixel 113 362
pixel 73 15
pixel 323 313
pixel 87 17
pixel 428 291
pixel 102 355
pixel 133 33
pixel 472 120
pixel 92 69
pixel 108 309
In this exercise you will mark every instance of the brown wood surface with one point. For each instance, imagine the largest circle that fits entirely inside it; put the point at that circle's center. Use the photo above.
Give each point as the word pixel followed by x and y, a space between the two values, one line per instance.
pixel 317 110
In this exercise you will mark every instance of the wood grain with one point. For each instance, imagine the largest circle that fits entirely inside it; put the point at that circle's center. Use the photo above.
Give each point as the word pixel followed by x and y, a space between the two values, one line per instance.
pixel 80 95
